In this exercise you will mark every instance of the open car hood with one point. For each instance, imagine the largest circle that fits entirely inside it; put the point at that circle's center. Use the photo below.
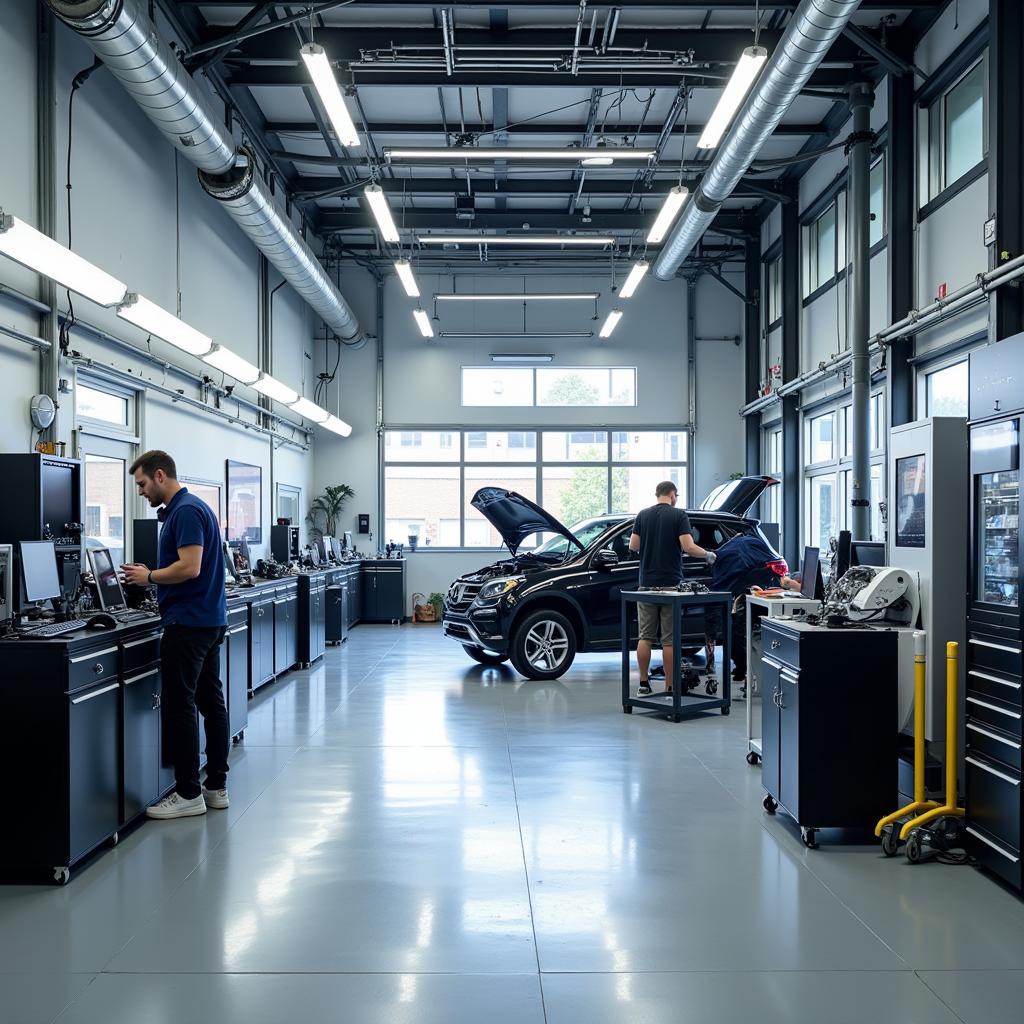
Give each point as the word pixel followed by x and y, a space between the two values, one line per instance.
pixel 516 517
pixel 736 496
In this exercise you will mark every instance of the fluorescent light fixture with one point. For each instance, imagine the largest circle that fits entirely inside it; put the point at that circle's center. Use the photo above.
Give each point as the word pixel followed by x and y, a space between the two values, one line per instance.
pixel 669 210
pixel 600 155
pixel 521 357
pixel 310 410
pixel 382 212
pixel 611 322
pixel 512 334
pixel 233 365
pixel 423 323
pixel 636 275
pixel 747 69
pixel 31 248
pixel 516 296
pixel 332 423
pixel 404 269
pixel 138 310
pixel 600 240
pixel 273 388
pixel 322 73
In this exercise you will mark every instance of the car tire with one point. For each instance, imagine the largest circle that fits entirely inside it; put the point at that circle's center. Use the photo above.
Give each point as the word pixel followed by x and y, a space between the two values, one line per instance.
pixel 543 645
pixel 484 657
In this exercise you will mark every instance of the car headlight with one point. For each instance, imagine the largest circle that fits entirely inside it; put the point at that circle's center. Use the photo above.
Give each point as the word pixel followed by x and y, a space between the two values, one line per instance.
pixel 497 587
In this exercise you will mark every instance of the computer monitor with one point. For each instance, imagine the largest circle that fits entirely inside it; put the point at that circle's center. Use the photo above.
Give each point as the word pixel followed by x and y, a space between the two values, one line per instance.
pixel 867 552
pixel 320 548
pixel 812 586
pixel 347 544
pixel 336 548
pixel 108 586
pixel 39 570
pixel 314 554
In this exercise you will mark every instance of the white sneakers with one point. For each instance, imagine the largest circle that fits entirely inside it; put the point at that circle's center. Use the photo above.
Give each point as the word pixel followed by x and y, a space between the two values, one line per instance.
pixel 176 806
pixel 216 798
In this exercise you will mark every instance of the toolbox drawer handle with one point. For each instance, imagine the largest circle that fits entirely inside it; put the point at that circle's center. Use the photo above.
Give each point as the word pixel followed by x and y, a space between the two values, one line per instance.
pixel 995 846
pixel 998 647
pixel 238 629
pixel 144 675
pixel 138 643
pixel 95 654
pixel 771 662
pixel 789 675
pixel 95 693
pixel 993 735
pixel 992 707
pixel 992 679
pixel 985 768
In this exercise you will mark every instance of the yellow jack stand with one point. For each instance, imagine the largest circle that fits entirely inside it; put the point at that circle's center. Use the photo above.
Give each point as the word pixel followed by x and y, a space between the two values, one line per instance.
pixel 886 827
pixel 918 838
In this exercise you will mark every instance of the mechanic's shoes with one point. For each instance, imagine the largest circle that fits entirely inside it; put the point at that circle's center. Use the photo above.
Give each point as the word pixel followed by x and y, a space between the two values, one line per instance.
pixel 216 799
pixel 644 689
pixel 176 806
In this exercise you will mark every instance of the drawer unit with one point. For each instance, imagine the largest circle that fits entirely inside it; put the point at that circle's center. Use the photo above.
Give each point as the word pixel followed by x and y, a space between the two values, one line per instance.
pixel 140 652
pixel 985 682
pixel 994 793
pixel 1002 656
pixel 987 711
pixel 781 646
pixel 993 743
pixel 996 856
pixel 92 667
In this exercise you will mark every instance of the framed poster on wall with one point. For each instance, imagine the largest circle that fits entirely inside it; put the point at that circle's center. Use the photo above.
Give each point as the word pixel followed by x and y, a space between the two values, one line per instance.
pixel 245 502
pixel 910 497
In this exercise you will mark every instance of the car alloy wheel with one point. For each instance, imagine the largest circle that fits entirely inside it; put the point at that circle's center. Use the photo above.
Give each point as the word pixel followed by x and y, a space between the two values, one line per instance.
pixel 546 645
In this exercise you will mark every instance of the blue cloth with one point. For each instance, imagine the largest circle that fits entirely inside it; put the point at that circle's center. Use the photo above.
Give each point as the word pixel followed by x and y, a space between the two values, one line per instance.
pixel 737 558
pixel 202 601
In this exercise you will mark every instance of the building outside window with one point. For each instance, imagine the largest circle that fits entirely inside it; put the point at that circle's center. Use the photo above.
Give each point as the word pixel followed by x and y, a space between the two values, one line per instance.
pixel 559 387
pixel 821 240
pixel 946 391
pixel 773 292
pixel 877 230
pixel 771 503
pixel 953 133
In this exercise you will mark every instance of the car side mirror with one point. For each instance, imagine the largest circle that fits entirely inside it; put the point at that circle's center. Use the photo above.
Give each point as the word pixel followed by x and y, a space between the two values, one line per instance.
pixel 606 559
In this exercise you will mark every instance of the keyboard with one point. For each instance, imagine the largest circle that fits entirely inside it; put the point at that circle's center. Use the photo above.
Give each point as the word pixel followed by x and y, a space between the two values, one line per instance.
pixel 57 628
pixel 124 617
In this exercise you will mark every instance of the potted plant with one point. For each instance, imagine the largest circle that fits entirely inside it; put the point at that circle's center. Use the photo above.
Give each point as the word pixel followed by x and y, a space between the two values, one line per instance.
pixel 437 600
pixel 325 510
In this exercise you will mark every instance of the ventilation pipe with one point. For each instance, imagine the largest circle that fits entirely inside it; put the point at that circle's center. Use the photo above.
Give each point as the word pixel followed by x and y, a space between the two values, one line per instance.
pixel 807 39
pixel 123 36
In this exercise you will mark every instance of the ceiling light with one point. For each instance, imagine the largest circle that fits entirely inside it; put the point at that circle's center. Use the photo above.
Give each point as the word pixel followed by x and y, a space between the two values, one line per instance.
pixel 516 296
pixel 636 275
pixel 404 269
pixel 611 322
pixel 273 388
pixel 310 410
pixel 233 365
pixel 40 253
pixel 669 209
pixel 521 357
pixel 322 73
pixel 514 334
pixel 597 161
pixel 599 240
pixel 423 323
pixel 155 320
pixel 337 426
pixel 382 212
pixel 478 154
pixel 747 68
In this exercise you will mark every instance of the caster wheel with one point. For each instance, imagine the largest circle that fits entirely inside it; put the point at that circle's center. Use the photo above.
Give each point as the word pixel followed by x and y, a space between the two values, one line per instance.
pixel 809 837
pixel 914 852
pixel 711 687
pixel 752 758
pixel 61 876
pixel 114 839
pixel 627 709
pixel 677 718
pixel 725 711
pixel 769 804
pixel 890 840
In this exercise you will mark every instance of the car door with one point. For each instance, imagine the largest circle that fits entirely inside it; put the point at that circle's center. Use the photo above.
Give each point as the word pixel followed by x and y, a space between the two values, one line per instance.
pixel 600 596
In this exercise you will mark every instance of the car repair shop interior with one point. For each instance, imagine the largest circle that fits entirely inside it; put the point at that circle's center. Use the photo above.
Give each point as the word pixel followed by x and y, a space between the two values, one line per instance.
pixel 426 302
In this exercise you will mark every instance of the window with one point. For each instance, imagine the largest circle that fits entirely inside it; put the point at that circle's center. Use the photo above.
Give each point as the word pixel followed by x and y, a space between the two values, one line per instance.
pixel 821 504
pixel 821 251
pixel 96 404
pixel 424 446
pixel 773 292
pixel 877 230
pixel 411 439
pixel 105 482
pixel 289 503
pixel 561 387
pixel 953 138
pixel 93 520
pixel 946 391
pixel 820 439
pixel 771 503
pixel 876 429
pixel 575 475
pixel 208 492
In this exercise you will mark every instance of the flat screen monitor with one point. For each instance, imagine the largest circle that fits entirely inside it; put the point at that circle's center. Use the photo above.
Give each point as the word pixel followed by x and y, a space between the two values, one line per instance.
pixel 320 549
pixel 336 548
pixel 39 570
pixel 348 545
pixel 812 586
pixel 108 585
pixel 867 552
pixel 314 554
pixel 328 550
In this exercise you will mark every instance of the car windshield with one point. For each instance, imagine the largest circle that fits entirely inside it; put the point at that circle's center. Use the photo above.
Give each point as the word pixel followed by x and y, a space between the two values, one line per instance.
pixel 587 531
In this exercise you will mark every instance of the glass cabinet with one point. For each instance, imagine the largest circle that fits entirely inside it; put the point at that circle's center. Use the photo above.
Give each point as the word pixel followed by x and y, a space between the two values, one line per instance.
pixel 997 518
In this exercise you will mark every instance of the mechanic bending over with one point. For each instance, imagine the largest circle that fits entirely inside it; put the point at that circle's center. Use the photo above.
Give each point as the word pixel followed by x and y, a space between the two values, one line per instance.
pixel 662 534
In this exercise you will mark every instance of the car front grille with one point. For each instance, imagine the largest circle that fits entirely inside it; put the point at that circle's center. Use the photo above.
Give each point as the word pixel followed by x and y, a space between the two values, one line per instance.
pixel 461 595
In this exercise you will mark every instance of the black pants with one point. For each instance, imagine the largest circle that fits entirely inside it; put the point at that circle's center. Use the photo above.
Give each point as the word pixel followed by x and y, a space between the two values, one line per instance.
pixel 190 674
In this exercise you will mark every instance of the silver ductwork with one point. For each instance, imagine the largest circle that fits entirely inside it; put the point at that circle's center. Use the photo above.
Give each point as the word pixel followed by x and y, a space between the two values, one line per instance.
pixel 807 39
pixel 122 35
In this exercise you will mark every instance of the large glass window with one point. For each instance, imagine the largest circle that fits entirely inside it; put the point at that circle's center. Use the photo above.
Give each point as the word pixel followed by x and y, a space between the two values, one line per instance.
pixel 822 506
pixel 953 133
pixel 946 391
pixel 500 446
pixel 205 491
pixel 424 497
pixel 877 232
pixel 497 385
pixel 821 439
pixel 105 503
pixel 773 292
pixel 820 251
pixel 289 503
pixel 564 386
pixel 771 503
pixel 105 406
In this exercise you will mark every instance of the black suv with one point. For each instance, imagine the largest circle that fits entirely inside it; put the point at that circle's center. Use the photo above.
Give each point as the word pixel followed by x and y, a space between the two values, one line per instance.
pixel 540 608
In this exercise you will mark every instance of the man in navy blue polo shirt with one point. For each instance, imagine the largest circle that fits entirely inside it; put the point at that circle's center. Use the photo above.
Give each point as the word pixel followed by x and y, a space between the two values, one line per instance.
pixel 193 606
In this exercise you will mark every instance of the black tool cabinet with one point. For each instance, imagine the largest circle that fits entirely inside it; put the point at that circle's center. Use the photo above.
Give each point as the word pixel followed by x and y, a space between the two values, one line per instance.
pixel 261 638
pixel 829 711
pixel 312 610
pixel 383 590
pixel 235 669
pixel 286 626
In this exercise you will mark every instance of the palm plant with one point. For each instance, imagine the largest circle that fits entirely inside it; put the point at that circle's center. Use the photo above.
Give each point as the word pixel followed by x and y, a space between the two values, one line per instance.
pixel 325 509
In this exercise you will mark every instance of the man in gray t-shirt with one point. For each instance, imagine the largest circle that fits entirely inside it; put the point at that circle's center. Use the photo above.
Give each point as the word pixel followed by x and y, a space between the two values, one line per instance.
pixel 661 534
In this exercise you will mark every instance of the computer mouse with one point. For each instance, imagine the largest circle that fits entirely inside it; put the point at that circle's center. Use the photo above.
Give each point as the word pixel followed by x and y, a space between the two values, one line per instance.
pixel 101 621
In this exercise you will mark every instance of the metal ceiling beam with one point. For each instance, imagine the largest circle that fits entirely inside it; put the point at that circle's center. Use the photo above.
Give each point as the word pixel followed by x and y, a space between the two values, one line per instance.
pixel 358 219
pixel 530 128
pixel 722 5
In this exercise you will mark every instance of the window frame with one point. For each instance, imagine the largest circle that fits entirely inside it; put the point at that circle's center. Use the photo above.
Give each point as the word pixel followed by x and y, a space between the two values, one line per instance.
pixel 128 431
pixel 812 285
pixel 535 402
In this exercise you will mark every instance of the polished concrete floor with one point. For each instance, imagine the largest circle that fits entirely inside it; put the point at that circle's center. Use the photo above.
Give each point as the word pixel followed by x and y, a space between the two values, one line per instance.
pixel 415 839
